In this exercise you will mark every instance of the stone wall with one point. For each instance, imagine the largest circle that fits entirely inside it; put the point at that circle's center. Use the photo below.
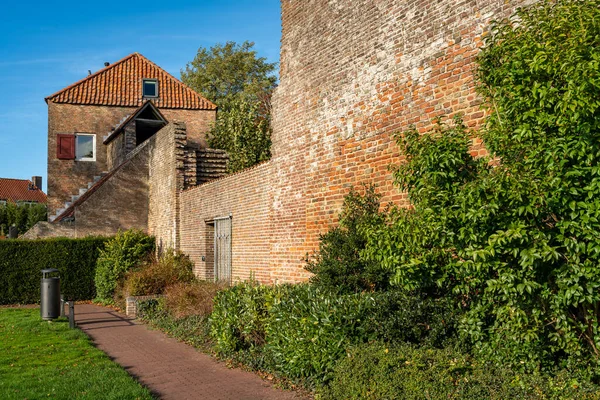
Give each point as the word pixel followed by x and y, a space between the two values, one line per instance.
pixel 246 197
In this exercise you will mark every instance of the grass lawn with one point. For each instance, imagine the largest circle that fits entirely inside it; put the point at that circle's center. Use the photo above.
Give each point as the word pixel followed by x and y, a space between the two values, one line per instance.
pixel 40 359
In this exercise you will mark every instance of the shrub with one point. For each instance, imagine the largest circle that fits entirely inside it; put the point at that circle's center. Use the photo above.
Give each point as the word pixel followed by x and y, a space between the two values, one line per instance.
pixel 21 262
pixel 155 276
pixel 338 265
pixel 301 331
pixel 192 329
pixel 124 252
pixel 516 241
pixel 194 298
pixel 378 371
pixel 239 317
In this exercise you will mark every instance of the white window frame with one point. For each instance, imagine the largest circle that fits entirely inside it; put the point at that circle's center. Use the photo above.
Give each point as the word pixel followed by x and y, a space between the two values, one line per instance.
pixel 93 144
pixel 155 81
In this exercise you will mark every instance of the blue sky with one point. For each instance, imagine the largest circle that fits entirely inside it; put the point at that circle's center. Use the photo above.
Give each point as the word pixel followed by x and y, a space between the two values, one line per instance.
pixel 45 46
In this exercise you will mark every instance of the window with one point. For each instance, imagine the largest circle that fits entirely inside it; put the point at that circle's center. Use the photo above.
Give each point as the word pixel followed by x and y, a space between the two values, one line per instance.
pixel 2 202
pixel 150 87
pixel 85 147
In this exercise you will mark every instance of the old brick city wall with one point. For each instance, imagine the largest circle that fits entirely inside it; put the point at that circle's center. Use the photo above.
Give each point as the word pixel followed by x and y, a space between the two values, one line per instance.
pixel 352 73
pixel 246 197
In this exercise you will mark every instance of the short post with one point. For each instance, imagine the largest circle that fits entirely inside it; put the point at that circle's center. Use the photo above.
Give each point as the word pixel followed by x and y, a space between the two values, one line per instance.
pixel 62 305
pixel 71 314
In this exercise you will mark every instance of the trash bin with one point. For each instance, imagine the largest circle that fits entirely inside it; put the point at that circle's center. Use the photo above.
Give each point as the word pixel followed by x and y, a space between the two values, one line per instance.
pixel 50 293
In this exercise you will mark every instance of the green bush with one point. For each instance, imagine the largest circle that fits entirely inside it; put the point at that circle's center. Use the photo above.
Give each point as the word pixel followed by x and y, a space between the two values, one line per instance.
pixel 301 331
pixel 122 253
pixel 338 265
pixel 21 262
pixel 239 317
pixel 515 239
pixel 404 372
pixel 156 276
pixel 192 329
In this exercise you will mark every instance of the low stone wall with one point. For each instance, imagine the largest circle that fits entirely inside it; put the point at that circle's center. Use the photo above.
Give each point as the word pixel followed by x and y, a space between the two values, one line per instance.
pixel 131 308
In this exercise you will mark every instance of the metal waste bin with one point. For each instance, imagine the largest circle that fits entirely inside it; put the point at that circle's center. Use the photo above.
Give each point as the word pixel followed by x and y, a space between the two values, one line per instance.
pixel 50 302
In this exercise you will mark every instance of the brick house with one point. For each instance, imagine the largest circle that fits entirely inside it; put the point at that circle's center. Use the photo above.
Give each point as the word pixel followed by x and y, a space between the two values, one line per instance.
pixel 352 73
pixel 22 191
pixel 82 116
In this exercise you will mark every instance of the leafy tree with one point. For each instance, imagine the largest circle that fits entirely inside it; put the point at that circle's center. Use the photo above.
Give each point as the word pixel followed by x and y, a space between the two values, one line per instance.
pixel 240 83
pixel 514 238
pixel 23 216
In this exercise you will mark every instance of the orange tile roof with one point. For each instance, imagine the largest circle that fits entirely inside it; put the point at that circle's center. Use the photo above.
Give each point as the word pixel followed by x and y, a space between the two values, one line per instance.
pixel 120 84
pixel 19 190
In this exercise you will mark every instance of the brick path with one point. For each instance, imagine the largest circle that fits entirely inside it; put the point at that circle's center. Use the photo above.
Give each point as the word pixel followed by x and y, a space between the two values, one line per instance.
pixel 172 370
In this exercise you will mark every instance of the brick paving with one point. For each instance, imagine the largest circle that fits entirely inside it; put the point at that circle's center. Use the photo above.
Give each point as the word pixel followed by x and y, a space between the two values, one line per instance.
pixel 172 370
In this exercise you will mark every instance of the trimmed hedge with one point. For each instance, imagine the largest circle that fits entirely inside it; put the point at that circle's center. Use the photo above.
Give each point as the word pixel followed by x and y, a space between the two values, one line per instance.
pixel 21 262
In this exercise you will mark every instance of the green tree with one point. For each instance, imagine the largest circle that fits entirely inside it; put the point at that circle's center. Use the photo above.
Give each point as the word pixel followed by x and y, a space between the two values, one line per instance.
pixel 240 83
pixel 23 216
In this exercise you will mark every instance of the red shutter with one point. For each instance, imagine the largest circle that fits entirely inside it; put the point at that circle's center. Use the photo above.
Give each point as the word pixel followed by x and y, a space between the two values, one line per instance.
pixel 65 146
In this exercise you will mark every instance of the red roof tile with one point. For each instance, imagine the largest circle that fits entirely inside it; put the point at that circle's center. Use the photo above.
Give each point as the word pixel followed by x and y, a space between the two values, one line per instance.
pixel 20 190
pixel 120 84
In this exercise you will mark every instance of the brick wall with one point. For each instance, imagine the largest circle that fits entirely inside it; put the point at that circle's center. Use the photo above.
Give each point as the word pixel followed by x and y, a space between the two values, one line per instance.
pixel 353 72
pixel 117 202
pixel 65 177
pixel 246 197
pixel 197 122
pixel 166 178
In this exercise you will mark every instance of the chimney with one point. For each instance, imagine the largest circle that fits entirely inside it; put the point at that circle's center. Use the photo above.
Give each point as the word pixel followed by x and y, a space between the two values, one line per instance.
pixel 37 181
pixel 106 63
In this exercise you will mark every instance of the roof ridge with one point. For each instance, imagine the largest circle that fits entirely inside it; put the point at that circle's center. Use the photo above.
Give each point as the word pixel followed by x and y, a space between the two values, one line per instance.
pixel 114 85
pixel 90 76
pixel 17 179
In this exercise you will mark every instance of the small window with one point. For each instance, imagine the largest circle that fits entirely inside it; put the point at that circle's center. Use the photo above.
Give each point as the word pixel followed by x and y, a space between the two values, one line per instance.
pixel 85 147
pixel 2 202
pixel 150 87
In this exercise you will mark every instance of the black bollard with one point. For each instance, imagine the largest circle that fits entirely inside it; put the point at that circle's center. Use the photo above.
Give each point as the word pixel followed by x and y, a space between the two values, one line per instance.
pixel 71 314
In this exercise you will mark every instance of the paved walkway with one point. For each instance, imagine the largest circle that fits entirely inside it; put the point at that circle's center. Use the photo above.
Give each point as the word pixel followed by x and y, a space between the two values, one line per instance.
pixel 172 370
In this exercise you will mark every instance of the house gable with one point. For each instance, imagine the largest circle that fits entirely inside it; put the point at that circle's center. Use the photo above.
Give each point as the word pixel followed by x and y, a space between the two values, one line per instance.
pixel 122 84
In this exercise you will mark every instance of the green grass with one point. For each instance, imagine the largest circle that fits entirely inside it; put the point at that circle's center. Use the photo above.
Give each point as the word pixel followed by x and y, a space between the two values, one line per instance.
pixel 40 359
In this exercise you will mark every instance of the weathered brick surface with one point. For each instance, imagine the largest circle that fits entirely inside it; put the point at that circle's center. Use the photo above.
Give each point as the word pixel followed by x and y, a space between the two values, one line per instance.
pixel 352 73
pixel 244 196
pixel 65 177
pixel 166 172
pixel 197 122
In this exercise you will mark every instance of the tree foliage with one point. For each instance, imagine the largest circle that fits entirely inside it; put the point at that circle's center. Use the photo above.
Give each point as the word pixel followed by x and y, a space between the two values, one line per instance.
pixel 515 238
pixel 240 83
pixel 23 216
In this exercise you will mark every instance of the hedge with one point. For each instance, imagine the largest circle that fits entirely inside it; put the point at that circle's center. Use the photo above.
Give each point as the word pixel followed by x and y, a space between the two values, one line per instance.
pixel 21 262
pixel 402 371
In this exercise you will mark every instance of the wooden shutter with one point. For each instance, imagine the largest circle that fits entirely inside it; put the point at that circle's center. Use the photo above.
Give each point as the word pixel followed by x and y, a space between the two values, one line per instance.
pixel 65 146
